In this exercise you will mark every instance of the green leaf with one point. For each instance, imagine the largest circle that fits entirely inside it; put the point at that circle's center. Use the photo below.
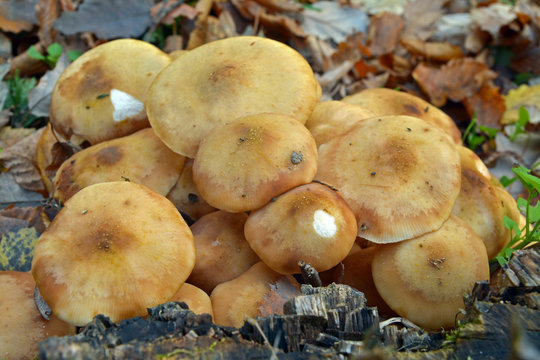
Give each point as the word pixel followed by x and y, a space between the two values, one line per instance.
pixel 534 213
pixel 523 78
pixel 529 181
pixel 491 132
pixel 519 126
pixel 34 54
pixel 54 50
pixel 511 225
pixel 73 54
pixel 506 181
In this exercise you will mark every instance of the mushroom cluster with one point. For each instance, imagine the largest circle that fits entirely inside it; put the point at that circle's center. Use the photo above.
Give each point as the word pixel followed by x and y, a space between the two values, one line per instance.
pixel 268 176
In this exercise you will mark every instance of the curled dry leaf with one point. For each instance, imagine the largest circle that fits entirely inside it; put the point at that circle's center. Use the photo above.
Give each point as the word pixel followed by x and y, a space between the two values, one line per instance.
pixel 456 80
pixel 437 51
pixel 384 32
pixel 20 159
pixel 488 105
pixel 491 18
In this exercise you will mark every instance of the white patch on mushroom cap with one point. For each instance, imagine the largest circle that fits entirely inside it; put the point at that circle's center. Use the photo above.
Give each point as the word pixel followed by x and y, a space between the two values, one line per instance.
pixel 124 105
pixel 324 224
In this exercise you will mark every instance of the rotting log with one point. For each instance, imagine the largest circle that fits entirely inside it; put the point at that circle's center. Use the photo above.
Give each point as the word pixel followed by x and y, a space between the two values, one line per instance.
pixel 501 320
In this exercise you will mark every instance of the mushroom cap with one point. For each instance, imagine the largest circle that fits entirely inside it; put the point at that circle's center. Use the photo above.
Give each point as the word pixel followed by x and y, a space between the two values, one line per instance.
pixel 244 296
pixel 83 103
pixel 196 299
pixel 383 101
pixel 242 165
pixel 311 222
pixel 21 325
pixel 424 279
pixel 357 273
pixel 478 203
pixel 226 79
pixel 140 157
pixel 185 196
pixel 115 248
pixel 332 118
pixel 222 250
pixel 399 174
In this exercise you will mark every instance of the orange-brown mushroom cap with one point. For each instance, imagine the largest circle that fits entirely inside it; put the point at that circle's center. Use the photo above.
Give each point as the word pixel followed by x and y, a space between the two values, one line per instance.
pixel 384 101
pixel 424 279
pixel 115 248
pixel 399 174
pixel 242 165
pixel 21 325
pixel 196 299
pixel 479 205
pixel 222 250
pixel 100 96
pixel 140 157
pixel 311 222
pixel 224 80
pixel 332 118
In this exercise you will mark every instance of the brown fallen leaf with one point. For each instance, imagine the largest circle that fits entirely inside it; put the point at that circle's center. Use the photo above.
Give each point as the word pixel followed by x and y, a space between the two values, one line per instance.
pixel 384 32
pixel 32 216
pixel 20 159
pixel 8 224
pixel 435 51
pixel 488 105
pixel 10 136
pixel 420 17
pixel 47 11
pixel 456 80
pixel 280 5
pixel 170 10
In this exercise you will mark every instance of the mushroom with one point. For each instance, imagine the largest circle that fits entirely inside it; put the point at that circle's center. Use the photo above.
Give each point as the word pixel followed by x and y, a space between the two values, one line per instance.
pixel 384 101
pixel 478 203
pixel 185 196
pixel 248 294
pixel 332 118
pixel 21 325
pixel 242 165
pixel 115 248
pixel 196 299
pixel 311 222
pixel 222 250
pixel 100 96
pixel 224 80
pixel 140 157
pixel 399 174
pixel 424 279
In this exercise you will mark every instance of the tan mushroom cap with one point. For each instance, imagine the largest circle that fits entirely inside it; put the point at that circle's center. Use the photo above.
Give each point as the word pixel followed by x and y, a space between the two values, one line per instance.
pixel 185 196
pixel 479 205
pixel 140 157
pixel 226 79
pixel 81 100
pixel 21 324
pixel 115 248
pixel 332 118
pixel 222 250
pixel 242 165
pixel 311 222
pixel 399 174
pixel 196 299
pixel 235 300
pixel 424 279
pixel 383 101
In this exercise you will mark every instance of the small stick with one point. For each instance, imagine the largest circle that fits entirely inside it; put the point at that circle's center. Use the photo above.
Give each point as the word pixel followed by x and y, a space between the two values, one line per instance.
pixel 42 306
pixel 309 274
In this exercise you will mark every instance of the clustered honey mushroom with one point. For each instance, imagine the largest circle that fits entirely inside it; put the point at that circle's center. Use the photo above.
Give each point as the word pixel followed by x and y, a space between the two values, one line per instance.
pixel 239 140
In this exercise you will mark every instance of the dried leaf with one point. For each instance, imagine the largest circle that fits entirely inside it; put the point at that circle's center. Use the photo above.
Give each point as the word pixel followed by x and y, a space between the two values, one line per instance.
pixel 30 215
pixel 384 32
pixel 4 89
pixel 524 96
pixel 20 159
pixel 488 105
pixel 39 98
pixel 281 291
pixel 10 136
pixel 280 5
pixel 491 18
pixel 436 51
pixel 456 80
pixel 379 6
pixel 421 16
pixel 333 21
pixel 171 13
pixel 47 11
pixel 9 224
pixel 526 60
pixel 452 28
pixel 11 192
pixel 17 15
pixel 107 19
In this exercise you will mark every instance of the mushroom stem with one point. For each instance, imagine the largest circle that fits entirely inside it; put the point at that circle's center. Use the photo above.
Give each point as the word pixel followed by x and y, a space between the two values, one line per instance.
pixel 309 274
